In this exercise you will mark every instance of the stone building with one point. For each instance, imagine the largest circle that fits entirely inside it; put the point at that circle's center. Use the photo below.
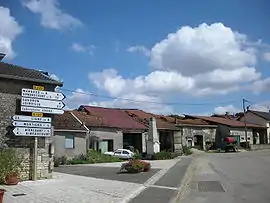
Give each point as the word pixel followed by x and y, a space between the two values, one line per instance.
pixel 235 128
pixel 12 79
pixel 197 133
pixel 259 118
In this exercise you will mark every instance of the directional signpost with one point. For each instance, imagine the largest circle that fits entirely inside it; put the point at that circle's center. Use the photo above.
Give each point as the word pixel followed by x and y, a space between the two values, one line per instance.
pixel 37 101
pixel 42 103
pixel 42 110
pixel 31 118
pixel 31 124
pixel 42 94
pixel 40 132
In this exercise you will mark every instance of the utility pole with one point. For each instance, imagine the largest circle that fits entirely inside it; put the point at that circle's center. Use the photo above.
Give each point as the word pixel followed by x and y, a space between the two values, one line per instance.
pixel 245 122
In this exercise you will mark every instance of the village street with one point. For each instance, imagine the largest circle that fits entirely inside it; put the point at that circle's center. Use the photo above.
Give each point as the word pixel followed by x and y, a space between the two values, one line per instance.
pixel 229 178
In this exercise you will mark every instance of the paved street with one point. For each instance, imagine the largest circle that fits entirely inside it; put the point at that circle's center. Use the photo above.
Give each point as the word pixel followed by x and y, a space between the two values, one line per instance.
pixel 101 183
pixel 231 177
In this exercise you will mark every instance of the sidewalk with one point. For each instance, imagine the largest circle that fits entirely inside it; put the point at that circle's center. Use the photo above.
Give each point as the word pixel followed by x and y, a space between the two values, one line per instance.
pixel 67 188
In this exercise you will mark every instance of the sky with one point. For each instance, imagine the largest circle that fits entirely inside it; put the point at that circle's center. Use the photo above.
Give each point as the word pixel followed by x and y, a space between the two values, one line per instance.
pixel 166 57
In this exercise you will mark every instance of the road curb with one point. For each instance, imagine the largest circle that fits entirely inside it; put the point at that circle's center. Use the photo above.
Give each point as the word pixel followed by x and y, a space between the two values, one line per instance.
pixel 185 183
pixel 149 182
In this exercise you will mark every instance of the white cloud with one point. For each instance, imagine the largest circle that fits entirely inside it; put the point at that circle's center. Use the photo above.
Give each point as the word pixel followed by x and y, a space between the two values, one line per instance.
pixel 9 30
pixel 140 101
pixel 224 109
pixel 77 47
pixel 77 98
pixel 51 14
pixel 205 60
pixel 259 86
pixel 266 56
pixel 262 106
pixel 140 49
pixel 137 101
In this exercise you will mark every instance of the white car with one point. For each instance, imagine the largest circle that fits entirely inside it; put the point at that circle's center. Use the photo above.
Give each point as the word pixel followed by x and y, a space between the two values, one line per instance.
pixel 121 153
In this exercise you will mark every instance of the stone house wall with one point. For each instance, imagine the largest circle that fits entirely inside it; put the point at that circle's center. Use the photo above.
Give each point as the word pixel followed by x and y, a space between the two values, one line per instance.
pixel 190 131
pixel 10 91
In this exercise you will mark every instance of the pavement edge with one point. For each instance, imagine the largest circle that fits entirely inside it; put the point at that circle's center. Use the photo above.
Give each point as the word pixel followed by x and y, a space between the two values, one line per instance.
pixel 182 190
pixel 149 182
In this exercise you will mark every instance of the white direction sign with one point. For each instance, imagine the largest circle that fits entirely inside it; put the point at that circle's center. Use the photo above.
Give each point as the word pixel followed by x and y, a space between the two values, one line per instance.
pixel 36 132
pixel 31 124
pixel 31 118
pixel 41 110
pixel 42 103
pixel 42 94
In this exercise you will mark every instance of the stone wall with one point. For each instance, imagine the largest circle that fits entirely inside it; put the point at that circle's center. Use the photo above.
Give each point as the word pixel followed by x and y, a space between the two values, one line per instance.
pixel 10 91
pixel 189 133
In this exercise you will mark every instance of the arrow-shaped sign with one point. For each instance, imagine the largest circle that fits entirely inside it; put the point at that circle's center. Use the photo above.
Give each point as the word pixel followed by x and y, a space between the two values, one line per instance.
pixel 42 94
pixel 42 103
pixel 31 118
pixel 31 124
pixel 40 132
pixel 41 110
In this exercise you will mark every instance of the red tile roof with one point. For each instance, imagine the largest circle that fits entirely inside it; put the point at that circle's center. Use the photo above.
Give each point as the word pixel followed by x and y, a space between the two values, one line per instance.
pixel 114 118
pixel 143 117
pixel 224 121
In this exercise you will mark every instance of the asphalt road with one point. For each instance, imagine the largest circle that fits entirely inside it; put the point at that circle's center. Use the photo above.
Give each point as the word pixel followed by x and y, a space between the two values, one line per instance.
pixel 109 173
pixel 242 177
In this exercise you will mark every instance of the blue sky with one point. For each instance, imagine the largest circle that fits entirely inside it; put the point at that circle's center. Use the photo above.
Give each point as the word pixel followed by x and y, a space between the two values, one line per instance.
pixel 173 55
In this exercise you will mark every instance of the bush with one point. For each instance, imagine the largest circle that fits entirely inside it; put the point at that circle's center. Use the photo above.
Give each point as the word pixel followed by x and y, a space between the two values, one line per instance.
pixel 10 163
pixel 163 155
pixel 136 166
pixel 186 150
pixel 60 161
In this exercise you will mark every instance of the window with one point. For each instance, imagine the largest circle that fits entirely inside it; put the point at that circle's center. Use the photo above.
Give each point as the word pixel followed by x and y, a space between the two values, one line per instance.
pixel 117 152
pixel 125 152
pixel 69 142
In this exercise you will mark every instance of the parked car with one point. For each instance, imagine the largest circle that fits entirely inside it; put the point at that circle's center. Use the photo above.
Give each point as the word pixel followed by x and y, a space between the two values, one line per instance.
pixel 121 153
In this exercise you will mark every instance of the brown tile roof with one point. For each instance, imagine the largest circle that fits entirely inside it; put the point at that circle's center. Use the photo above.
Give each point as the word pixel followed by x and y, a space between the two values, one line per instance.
pixel 143 117
pixel 195 122
pixel 90 120
pixel 67 121
pixel 114 118
pixel 224 121
pixel 15 72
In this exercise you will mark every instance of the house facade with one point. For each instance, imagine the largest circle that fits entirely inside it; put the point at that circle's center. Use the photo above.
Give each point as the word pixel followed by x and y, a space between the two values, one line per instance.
pixel 238 129
pixel 259 118
pixel 111 129
pixel 197 133
pixel 70 136
pixel 12 79
pixel 168 136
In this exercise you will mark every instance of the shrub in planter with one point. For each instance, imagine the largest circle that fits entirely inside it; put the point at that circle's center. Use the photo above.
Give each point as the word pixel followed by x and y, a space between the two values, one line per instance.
pixel 2 192
pixel 10 166
pixel 136 166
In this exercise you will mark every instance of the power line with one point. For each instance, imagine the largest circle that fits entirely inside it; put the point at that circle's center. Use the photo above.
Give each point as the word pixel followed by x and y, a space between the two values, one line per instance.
pixel 150 102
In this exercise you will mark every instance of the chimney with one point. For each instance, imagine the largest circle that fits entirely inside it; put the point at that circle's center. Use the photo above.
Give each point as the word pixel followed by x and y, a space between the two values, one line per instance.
pixel 2 56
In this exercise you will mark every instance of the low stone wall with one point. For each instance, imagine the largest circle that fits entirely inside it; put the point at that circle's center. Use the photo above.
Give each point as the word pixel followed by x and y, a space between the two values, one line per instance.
pixel 259 146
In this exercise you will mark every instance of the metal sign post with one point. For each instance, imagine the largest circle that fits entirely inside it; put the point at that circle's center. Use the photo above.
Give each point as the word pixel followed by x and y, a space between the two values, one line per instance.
pixel 37 101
